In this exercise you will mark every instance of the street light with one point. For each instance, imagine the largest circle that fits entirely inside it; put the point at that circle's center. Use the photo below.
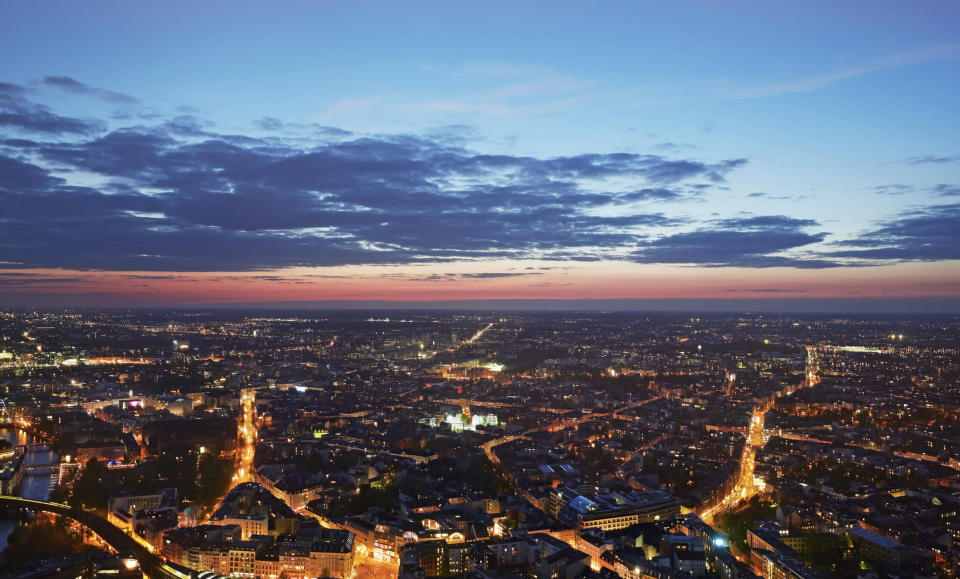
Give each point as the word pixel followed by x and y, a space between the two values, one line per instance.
pixel 130 564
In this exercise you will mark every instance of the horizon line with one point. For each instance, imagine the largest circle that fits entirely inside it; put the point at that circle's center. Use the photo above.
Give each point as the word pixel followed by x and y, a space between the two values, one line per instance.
pixel 787 305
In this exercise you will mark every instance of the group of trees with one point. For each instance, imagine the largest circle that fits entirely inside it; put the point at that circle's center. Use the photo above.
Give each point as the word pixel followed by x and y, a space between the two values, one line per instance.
pixel 44 536
pixel 842 475
pixel 368 496
pixel 735 524
pixel 604 459
pixel 826 552
pixel 468 464
pixel 490 477
pixel 203 478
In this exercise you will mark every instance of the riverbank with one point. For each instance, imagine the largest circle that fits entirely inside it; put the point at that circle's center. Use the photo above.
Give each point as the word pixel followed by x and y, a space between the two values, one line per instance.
pixel 34 486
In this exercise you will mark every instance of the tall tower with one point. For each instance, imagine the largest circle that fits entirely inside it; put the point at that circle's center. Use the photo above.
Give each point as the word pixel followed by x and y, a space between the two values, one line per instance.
pixel 183 357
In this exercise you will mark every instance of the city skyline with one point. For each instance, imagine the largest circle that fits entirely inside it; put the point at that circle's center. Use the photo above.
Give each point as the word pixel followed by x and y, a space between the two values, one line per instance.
pixel 483 445
pixel 313 155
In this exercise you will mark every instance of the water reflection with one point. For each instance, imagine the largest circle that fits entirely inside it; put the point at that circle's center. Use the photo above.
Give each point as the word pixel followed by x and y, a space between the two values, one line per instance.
pixel 35 486
pixel 16 436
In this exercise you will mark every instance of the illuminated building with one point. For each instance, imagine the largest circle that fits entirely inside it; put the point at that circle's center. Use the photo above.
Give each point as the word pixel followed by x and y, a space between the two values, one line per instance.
pixel 611 511
pixel 221 549
pixel 183 357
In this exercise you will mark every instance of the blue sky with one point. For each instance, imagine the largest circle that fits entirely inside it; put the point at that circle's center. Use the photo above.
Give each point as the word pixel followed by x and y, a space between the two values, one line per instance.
pixel 838 118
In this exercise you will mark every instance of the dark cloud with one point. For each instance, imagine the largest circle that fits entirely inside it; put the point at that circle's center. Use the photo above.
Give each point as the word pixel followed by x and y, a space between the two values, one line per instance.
pixel 13 90
pixel 769 291
pixel 232 202
pixel 655 194
pixel 762 195
pixel 20 143
pixel 942 189
pixel 458 135
pixel 275 125
pixel 19 113
pixel 946 190
pixel 893 189
pixel 671 147
pixel 181 195
pixel 932 159
pixel 766 222
pixel 743 242
pixel 67 84
pixel 20 279
pixel 269 124
pixel 188 126
pixel 329 132
pixel 270 278
pixel 140 113
pixel 19 176
pixel 491 275
pixel 445 277
pixel 927 234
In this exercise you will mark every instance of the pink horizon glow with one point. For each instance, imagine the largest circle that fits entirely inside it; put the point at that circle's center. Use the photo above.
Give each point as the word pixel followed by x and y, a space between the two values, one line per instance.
pixel 605 280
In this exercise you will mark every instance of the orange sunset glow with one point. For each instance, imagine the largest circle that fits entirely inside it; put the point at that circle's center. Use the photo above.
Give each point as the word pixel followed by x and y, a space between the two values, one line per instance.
pixel 542 281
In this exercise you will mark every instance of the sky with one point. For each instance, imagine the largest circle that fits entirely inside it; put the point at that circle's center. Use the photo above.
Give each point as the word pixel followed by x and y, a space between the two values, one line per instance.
pixel 756 155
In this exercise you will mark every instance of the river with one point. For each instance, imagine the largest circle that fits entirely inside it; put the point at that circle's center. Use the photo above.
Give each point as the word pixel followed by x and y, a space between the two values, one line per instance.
pixel 36 487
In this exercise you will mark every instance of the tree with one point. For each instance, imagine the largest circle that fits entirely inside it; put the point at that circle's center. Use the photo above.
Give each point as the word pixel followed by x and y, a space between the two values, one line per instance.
pixel 45 536
pixel 368 497
pixel 90 491
pixel 59 494
pixel 213 478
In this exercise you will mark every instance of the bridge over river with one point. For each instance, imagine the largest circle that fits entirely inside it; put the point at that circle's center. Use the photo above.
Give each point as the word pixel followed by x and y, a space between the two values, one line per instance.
pixel 152 565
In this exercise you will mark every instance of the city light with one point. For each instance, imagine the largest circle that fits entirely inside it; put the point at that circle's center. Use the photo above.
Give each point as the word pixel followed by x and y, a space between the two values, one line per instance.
pixel 393 460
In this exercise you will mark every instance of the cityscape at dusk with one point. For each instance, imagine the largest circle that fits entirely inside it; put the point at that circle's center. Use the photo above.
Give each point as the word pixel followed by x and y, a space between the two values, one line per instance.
pixel 520 290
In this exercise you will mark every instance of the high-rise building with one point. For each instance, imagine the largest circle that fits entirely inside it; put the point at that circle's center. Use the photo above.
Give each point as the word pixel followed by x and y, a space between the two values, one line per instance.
pixel 183 357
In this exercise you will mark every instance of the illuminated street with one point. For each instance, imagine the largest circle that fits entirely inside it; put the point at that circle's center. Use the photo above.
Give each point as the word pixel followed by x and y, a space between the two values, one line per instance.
pixel 366 566
pixel 745 486
pixel 247 443
pixel 479 333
